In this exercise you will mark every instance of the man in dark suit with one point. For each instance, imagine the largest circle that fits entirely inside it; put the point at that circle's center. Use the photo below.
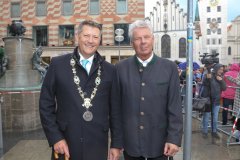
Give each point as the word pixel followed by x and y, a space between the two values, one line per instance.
pixel 147 90
pixel 75 103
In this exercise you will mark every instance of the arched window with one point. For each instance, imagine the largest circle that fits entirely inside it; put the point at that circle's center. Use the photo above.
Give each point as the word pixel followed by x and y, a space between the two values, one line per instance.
pixel 166 46
pixel 182 47
pixel 229 50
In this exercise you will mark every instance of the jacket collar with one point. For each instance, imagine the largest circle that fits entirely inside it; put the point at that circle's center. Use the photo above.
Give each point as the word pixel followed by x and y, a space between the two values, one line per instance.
pixel 139 64
pixel 97 60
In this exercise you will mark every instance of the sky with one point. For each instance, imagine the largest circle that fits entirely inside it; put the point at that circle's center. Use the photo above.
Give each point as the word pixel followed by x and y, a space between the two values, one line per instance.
pixel 233 7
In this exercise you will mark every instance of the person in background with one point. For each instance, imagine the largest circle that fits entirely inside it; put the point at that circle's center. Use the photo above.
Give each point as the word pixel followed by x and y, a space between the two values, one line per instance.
pixel 236 104
pixel 213 85
pixel 229 93
pixel 147 91
pixel 75 101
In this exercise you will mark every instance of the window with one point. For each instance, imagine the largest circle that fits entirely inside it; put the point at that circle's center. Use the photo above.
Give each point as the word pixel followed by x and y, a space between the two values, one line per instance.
pixel 213 41
pixel 94 7
pixel 67 7
pixel 229 50
pixel 219 8
pixel 121 6
pixel 15 10
pixel 208 20
pixel 219 31
pixel 208 31
pixel 208 9
pixel 182 48
pixel 219 20
pixel 40 35
pixel 126 40
pixel 66 35
pixel 166 46
pixel 208 41
pixel 41 8
pixel 220 41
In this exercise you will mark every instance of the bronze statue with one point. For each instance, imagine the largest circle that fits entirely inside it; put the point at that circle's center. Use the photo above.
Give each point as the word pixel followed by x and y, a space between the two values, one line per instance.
pixel 38 63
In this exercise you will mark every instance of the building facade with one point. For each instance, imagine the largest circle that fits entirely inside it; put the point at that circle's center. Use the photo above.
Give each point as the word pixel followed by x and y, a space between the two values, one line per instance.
pixel 169 24
pixel 54 23
pixel 213 16
pixel 170 28
pixel 233 40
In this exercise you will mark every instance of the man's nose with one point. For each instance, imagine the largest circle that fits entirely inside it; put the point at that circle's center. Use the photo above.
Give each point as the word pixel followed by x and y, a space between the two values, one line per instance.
pixel 143 40
pixel 90 39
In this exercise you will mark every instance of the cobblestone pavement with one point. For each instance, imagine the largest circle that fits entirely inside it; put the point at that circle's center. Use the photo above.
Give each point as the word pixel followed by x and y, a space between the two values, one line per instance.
pixel 33 146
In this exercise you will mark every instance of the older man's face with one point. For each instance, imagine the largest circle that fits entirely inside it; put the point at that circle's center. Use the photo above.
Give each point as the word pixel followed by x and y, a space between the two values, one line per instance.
pixel 142 42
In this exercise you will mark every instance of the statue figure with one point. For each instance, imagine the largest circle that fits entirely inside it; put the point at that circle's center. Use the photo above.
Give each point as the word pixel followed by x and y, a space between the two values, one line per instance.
pixel 3 61
pixel 17 28
pixel 38 63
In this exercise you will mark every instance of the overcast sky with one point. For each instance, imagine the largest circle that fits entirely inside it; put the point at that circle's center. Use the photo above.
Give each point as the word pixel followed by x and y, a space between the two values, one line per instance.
pixel 233 7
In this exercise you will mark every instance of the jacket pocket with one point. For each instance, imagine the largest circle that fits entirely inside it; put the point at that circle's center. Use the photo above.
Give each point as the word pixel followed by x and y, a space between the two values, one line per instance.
pixel 162 88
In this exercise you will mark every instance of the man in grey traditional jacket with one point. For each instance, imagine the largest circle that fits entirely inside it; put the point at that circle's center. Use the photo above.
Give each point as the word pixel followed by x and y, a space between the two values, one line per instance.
pixel 147 89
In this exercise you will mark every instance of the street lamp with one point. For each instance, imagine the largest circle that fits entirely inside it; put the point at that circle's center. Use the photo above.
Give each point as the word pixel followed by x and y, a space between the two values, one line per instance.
pixel 119 38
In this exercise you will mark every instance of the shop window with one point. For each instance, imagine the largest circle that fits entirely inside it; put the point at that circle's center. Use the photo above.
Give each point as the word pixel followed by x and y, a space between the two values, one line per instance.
pixel 66 35
pixel 40 35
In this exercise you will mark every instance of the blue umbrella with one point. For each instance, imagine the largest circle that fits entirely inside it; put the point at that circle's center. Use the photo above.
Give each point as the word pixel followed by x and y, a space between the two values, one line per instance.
pixel 183 66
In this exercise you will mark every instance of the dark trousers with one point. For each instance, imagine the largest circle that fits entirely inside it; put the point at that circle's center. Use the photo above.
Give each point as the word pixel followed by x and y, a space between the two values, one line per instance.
pixel 128 157
pixel 226 104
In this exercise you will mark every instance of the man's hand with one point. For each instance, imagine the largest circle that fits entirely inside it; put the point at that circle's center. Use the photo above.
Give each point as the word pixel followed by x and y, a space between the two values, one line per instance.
pixel 219 78
pixel 61 147
pixel 170 149
pixel 209 76
pixel 114 154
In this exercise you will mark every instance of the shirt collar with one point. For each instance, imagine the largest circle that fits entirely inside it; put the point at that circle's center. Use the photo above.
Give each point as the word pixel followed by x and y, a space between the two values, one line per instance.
pixel 144 63
pixel 90 59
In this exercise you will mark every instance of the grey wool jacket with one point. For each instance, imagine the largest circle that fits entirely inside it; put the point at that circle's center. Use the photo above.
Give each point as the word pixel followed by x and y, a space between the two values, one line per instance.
pixel 149 98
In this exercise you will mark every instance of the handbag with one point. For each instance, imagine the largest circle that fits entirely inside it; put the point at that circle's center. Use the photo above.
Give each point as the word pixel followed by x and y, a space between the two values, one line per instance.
pixel 200 104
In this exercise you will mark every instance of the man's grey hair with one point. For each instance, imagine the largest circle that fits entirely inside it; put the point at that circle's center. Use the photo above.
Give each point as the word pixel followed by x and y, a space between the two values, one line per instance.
pixel 138 24
pixel 89 23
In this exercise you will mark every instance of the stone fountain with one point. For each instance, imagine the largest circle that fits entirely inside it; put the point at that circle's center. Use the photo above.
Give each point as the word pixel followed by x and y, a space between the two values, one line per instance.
pixel 20 87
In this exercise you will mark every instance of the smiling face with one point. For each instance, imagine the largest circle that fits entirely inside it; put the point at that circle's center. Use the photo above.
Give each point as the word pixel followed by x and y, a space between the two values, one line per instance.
pixel 142 42
pixel 88 40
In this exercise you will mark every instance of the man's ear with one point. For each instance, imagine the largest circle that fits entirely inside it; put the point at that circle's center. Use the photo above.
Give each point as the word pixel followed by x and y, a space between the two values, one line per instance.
pixel 131 43
pixel 76 37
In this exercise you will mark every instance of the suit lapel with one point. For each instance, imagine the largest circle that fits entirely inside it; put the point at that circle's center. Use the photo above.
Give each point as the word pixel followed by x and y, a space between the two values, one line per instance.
pixel 97 61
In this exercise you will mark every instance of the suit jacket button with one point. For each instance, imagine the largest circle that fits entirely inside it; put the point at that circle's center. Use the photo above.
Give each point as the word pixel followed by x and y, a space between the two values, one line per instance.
pixel 142 98
pixel 141 127
pixel 142 113
pixel 143 84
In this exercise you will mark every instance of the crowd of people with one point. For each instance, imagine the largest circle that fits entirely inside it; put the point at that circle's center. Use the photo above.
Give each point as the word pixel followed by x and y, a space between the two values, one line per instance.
pixel 222 85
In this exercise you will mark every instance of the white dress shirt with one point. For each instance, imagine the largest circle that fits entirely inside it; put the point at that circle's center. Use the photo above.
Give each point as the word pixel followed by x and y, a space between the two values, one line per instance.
pixel 144 63
pixel 89 64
